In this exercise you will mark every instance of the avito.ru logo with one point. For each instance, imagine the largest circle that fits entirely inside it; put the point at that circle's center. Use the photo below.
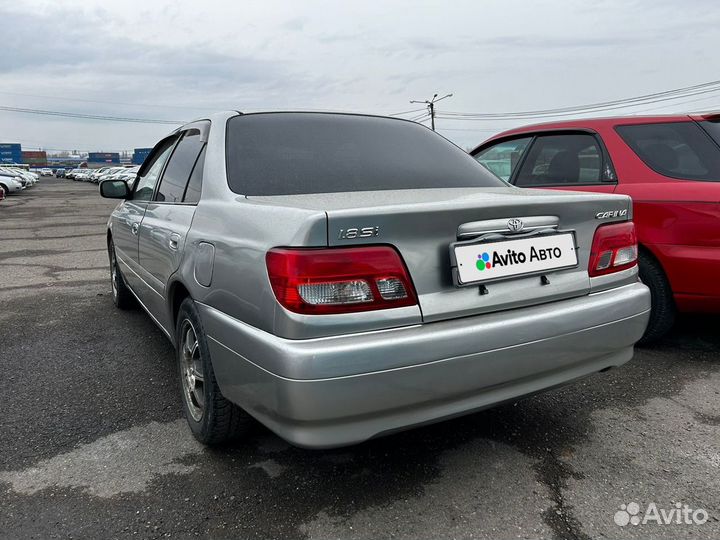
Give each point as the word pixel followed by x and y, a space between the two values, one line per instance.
pixel 483 262
pixel 632 514
pixel 486 260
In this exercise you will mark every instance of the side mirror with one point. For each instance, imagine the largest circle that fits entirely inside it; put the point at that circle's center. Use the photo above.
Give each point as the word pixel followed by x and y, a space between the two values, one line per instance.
pixel 114 189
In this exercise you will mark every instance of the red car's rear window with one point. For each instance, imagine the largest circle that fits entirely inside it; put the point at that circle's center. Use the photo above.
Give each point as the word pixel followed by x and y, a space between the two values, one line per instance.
pixel 680 150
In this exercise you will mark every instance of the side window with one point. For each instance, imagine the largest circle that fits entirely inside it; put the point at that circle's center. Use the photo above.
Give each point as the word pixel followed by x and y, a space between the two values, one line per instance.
pixel 502 158
pixel 178 170
pixel 562 160
pixel 145 185
pixel 192 193
pixel 678 149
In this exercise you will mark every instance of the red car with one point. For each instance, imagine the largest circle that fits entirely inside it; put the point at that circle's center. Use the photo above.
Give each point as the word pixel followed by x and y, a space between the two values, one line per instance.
pixel 669 165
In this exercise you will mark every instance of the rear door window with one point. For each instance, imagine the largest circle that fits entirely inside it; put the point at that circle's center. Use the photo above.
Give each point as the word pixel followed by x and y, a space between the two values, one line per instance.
pixel 502 159
pixel 676 149
pixel 563 160
pixel 181 163
pixel 194 188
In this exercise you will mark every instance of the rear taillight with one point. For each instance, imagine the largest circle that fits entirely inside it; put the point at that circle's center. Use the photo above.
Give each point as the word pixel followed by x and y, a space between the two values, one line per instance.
pixel 339 280
pixel 614 248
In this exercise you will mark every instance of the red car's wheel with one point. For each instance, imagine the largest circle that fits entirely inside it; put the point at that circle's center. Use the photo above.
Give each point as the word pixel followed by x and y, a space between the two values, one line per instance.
pixel 662 315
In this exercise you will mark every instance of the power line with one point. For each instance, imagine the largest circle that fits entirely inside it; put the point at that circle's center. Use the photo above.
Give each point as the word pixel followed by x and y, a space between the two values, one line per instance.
pixel 431 106
pixel 686 90
pixel 679 93
pixel 500 129
pixel 90 116
pixel 706 98
pixel 420 117
pixel 577 112
pixel 102 102
pixel 406 112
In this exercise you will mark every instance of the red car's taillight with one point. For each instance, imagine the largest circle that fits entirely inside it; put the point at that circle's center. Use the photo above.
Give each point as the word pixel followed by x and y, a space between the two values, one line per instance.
pixel 339 280
pixel 614 248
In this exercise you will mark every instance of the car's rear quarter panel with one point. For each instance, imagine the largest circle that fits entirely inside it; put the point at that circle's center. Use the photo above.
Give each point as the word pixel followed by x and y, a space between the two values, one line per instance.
pixel 678 221
pixel 242 233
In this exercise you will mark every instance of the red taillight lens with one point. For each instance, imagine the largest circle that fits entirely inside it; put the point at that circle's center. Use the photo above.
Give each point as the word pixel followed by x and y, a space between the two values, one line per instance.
pixel 339 280
pixel 614 248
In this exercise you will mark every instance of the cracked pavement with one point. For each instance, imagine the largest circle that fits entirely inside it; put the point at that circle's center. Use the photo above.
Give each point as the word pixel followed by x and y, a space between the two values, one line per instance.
pixel 93 443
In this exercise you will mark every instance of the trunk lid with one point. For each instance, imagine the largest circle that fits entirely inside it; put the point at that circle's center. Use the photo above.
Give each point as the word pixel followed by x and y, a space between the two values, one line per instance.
pixel 422 225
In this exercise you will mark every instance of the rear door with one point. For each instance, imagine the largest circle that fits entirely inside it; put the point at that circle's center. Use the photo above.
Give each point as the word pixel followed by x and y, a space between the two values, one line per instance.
pixel 574 161
pixel 129 215
pixel 168 217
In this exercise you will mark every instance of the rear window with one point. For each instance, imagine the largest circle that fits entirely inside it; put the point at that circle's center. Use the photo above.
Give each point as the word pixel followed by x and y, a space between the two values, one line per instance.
pixel 296 153
pixel 679 149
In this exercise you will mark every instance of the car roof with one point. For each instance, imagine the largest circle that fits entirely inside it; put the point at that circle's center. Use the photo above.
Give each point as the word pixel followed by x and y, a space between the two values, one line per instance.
pixel 599 123
pixel 222 116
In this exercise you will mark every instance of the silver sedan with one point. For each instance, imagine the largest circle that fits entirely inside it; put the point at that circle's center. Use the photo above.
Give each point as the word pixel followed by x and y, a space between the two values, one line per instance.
pixel 339 277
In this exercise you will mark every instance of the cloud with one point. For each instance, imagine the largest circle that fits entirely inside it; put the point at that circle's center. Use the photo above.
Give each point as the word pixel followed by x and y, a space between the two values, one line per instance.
pixel 295 24
pixel 42 43
pixel 181 59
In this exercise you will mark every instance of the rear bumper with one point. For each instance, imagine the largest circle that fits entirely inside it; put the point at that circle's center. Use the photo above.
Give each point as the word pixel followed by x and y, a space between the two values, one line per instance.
pixel 342 390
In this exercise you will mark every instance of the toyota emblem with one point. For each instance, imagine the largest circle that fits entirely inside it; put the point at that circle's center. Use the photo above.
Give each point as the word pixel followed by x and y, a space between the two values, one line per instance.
pixel 515 225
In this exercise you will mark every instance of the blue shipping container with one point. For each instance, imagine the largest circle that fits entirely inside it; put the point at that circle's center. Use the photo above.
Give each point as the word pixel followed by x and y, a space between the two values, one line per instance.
pixel 103 157
pixel 10 153
pixel 139 155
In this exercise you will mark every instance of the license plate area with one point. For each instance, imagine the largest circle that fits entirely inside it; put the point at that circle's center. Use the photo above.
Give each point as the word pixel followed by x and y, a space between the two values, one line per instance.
pixel 477 262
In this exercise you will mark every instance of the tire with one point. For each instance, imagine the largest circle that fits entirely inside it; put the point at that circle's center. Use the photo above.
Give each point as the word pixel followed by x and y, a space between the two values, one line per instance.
pixel 122 297
pixel 212 418
pixel 662 314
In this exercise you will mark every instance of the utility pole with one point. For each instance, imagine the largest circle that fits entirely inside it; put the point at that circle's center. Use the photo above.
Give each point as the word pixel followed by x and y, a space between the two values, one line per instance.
pixel 431 106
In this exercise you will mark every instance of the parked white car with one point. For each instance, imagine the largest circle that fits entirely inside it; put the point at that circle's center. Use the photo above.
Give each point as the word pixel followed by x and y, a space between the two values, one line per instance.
pixel 24 180
pixel 46 172
pixel 29 178
pixel 11 184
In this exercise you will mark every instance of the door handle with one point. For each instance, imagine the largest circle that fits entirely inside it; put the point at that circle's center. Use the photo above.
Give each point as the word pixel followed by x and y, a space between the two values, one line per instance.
pixel 173 242
pixel 134 228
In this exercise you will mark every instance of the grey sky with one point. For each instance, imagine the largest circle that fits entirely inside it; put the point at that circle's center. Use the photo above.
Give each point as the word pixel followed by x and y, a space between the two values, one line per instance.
pixel 181 59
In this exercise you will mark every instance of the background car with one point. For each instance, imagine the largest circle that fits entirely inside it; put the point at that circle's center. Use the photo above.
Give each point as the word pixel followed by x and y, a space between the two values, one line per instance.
pixel 127 174
pixel 24 181
pixel 46 172
pixel 95 174
pixel 10 184
pixel 351 275
pixel 669 165
pixel 83 175
pixel 27 178
pixel 109 172
pixel 60 173
pixel 71 174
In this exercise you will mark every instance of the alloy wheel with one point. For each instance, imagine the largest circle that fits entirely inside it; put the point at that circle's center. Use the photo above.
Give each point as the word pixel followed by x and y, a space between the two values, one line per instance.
pixel 113 274
pixel 191 371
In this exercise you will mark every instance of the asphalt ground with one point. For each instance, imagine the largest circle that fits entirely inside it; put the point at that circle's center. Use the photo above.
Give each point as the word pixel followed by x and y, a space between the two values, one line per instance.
pixel 93 445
